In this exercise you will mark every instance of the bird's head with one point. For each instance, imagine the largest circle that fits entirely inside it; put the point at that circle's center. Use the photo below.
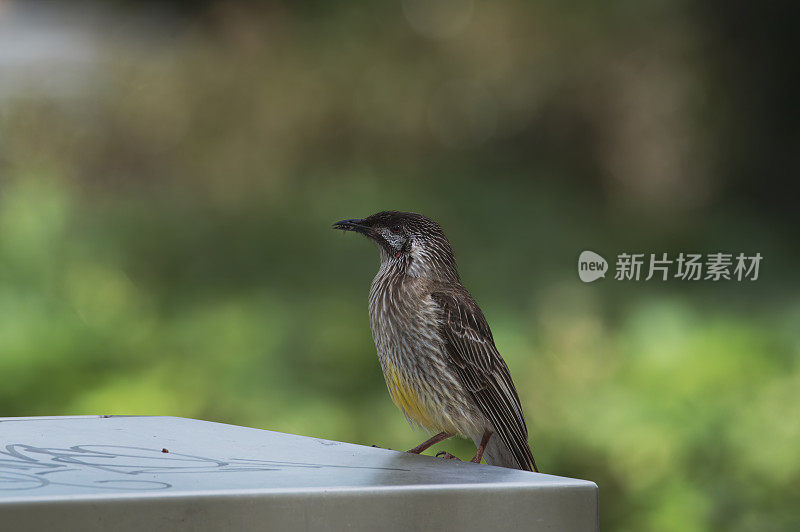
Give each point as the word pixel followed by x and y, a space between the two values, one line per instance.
pixel 410 240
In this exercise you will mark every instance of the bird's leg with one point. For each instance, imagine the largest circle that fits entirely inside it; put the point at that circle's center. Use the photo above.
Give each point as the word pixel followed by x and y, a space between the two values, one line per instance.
pixel 482 447
pixel 431 441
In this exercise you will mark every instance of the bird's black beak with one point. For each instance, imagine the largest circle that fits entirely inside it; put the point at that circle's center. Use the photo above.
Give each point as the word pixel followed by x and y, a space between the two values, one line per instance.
pixel 357 224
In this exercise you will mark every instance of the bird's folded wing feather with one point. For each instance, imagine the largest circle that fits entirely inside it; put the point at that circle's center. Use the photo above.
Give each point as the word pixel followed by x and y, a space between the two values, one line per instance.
pixel 482 370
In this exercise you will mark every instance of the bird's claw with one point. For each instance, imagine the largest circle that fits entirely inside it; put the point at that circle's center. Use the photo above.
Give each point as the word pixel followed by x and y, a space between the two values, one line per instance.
pixel 447 456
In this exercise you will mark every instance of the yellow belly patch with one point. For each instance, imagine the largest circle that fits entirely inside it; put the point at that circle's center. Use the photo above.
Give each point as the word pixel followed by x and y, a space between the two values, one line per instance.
pixel 407 399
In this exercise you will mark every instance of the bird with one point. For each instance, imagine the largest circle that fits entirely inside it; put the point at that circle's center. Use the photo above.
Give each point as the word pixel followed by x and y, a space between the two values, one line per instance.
pixel 435 347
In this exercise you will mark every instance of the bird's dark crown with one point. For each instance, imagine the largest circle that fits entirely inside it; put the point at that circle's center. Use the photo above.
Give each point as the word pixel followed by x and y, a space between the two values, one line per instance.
pixel 410 238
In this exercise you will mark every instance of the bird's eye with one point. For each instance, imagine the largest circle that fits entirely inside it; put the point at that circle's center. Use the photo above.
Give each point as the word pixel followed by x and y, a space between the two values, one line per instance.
pixel 395 229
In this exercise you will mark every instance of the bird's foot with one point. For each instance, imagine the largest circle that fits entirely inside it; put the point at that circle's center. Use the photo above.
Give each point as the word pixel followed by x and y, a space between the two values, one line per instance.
pixel 447 456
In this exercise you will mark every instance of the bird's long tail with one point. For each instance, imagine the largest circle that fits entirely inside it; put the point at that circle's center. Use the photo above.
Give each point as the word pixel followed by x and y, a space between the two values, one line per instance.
pixel 497 453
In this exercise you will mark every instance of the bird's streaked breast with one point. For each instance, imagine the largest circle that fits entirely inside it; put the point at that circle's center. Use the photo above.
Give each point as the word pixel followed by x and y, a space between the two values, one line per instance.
pixel 405 323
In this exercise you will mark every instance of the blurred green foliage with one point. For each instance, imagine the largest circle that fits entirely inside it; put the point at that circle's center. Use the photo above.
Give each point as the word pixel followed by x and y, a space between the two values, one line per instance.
pixel 165 244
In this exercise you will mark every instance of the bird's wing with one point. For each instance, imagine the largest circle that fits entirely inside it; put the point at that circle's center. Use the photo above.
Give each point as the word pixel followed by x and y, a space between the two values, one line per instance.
pixel 482 370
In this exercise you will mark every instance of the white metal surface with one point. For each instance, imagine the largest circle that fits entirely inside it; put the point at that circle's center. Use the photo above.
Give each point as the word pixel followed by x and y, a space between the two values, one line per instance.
pixel 161 473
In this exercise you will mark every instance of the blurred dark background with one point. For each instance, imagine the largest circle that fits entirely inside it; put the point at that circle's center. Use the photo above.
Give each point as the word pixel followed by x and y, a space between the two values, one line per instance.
pixel 169 172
